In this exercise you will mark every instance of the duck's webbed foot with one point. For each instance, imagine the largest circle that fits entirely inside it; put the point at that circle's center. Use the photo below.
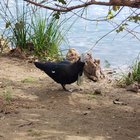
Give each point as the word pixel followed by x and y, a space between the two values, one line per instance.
pixel 63 85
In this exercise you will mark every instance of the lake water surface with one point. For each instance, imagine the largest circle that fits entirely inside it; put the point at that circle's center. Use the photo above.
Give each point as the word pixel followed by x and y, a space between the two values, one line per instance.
pixel 115 48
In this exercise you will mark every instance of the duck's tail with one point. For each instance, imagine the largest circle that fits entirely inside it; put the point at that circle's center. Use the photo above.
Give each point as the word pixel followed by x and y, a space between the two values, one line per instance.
pixel 40 65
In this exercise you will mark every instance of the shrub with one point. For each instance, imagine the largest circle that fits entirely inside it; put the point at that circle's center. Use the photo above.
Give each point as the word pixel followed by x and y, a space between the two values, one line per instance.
pixel 132 76
pixel 30 32
pixel 46 38
pixel 16 24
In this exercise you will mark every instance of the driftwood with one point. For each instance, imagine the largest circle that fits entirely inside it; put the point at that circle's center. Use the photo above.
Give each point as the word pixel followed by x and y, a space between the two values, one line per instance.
pixel 92 69
pixel 16 52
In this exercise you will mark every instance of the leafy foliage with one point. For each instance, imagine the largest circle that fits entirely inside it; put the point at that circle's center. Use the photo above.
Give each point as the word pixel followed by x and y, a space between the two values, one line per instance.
pixel 16 27
pixel 7 96
pixel 62 1
pixel 35 35
pixel 46 37
pixel 56 15
pixel 133 75
pixel 110 14
pixel 121 27
pixel 20 34
pixel 136 18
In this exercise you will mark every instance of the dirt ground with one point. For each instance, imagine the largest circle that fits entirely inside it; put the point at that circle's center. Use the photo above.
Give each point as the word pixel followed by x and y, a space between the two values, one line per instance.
pixel 34 107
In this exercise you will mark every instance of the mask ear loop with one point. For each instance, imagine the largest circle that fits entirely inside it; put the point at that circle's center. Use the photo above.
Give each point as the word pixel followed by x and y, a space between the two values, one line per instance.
pixel 86 56
pixel 82 57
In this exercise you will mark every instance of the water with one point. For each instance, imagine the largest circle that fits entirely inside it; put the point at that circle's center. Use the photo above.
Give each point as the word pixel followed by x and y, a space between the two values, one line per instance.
pixel 114 48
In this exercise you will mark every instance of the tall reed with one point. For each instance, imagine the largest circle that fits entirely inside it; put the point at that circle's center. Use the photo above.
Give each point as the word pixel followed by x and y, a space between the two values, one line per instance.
pixel 133 75
pixel 16 23
pixel 47 37
pixel 24 25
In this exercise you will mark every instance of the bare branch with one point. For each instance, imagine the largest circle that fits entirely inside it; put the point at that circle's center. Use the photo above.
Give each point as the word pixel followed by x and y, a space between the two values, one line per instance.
pixel 105 35
pixel 98 19
pixel 133 4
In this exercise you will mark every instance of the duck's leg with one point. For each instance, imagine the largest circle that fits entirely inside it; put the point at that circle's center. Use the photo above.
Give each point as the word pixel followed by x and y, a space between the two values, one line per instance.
pixel 63 85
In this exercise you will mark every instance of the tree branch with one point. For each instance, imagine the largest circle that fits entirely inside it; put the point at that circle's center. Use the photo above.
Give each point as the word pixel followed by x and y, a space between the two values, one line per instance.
pixel 133 4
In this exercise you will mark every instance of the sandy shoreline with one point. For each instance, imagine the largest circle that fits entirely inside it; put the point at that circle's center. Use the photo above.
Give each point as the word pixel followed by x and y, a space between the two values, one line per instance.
pixel 38 108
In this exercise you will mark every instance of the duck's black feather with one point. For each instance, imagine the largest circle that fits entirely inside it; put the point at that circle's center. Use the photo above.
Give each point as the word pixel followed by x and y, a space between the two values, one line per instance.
pixel 63 72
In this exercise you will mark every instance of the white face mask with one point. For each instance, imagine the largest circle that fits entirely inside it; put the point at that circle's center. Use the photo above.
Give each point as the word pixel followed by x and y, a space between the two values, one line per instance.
pixel 85 57
pixel 82 57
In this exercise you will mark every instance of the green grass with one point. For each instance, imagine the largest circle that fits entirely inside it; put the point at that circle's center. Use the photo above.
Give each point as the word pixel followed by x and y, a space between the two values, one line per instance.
pixel 28 80
pixel 7 96
pixel 47 37
pixel 91 95
pixel 132 76
pixel 34 133
pixel 107 64
pixel 30 130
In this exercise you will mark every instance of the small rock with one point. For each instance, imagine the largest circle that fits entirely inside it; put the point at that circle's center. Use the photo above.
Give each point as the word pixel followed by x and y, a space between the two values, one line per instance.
pixel 115 129
pixel 89 108
pixel 139 86
pixel 116 101
pixel 110 72
pixel 113 117
pixel 109 81
pixel 97 92
pixel 30 61
pixel 1 86
pixel 133 87
pixel 1 136
pixel 26 124
pixel 85 113
pixel 16 112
